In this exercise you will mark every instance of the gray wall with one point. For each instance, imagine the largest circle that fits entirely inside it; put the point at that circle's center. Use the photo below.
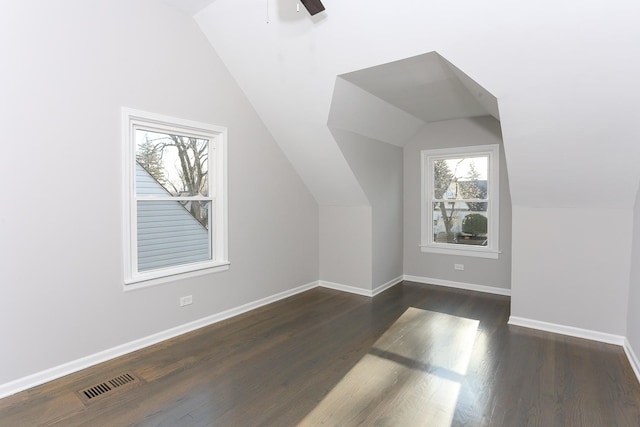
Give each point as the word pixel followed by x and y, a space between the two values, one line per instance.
pixel 345 246
pixel 571 267
pixel 69 66
pixel 378 168
pixel 477 271
pixel 633 311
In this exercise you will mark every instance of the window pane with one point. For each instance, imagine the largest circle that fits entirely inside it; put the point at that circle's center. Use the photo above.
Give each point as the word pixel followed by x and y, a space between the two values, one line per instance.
pixel 169 164
pixel 172 233
pixel 457 223
pixel 460 178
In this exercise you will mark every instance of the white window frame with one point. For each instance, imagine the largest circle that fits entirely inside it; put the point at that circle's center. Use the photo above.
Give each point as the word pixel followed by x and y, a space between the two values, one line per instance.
pixel 428 157
pixel 133 120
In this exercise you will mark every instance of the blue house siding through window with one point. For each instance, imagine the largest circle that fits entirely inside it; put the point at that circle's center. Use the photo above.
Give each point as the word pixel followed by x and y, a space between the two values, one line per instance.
pixel 168 234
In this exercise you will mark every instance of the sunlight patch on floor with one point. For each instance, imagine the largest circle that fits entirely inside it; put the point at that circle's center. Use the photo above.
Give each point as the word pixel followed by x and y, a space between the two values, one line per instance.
pixel 411 376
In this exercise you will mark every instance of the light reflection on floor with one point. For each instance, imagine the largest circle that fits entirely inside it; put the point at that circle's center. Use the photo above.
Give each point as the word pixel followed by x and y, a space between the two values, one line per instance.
pixel 410 377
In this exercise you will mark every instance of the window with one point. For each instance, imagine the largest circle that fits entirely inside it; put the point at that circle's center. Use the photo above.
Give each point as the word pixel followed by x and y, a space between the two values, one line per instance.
pixel 460 201
pixel 175 198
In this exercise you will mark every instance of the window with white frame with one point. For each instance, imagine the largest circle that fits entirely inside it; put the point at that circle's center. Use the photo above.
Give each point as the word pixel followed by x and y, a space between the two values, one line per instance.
pixel 175 197
pixel 460 206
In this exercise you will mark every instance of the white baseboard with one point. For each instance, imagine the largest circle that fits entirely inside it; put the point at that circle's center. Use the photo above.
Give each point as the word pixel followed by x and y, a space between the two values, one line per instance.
pixel 458 285
pixel 633 359
pixel 345 288
pixel 56 372
pixel 567 330
pixel 387 285
pixel 360 291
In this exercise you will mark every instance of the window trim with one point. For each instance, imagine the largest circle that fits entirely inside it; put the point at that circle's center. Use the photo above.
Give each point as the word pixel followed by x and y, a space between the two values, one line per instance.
pixel 427 158
pixel 217 136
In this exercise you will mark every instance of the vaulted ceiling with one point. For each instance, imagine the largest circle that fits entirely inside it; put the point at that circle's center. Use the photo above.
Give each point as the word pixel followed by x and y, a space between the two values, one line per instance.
pixel 190 6
pixel 564 75
pixel 428 87
pixel 391 102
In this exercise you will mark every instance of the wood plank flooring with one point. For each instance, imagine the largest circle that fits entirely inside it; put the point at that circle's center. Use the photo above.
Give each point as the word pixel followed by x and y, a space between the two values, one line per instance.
pixel 415 355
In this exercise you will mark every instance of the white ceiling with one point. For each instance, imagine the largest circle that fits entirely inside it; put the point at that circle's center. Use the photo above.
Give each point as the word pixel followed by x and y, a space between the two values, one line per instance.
pixel 358 111
pixel 190 6
pixel 393 101
pixel 565 75
pixel 427 87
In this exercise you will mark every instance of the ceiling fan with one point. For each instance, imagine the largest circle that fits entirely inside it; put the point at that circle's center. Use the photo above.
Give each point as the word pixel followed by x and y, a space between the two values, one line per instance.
pixel 313 6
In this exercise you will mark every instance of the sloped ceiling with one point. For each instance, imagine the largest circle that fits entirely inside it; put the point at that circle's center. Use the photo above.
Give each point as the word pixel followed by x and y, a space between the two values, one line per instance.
pixel 564 74
pixel 391 102
pixel 358 111
pixel 428 87
pixel 190 6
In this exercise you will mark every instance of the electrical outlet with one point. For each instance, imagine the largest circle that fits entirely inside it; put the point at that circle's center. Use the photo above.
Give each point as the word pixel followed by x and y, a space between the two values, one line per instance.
pixel 188 300
pixel 458 267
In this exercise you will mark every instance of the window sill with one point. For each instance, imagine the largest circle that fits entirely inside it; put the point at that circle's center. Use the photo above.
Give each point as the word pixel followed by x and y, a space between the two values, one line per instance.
pixel 135 283
pixel 462 251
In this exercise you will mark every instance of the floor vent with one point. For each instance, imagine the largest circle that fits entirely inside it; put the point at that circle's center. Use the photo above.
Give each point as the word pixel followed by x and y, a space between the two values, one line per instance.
pixel 98 390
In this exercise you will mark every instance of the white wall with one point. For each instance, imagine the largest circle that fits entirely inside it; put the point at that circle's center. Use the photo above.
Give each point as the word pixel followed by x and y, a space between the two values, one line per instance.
pixel 67 68
pixel 571 267
pixel 633 301
pixel 477 271
pixel 346 246
pixel 378 168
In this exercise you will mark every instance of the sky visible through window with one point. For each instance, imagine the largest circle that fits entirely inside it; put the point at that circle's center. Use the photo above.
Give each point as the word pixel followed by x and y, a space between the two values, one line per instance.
pixel 168 171
pixel 461 167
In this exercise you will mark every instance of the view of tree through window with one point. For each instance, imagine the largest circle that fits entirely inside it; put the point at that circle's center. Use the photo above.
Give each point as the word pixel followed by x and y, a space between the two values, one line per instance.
pixel 175 174
pixel 180 165
pixel 460 200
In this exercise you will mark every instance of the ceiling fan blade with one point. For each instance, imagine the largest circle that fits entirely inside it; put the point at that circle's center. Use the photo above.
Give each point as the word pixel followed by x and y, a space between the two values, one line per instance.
pixel 313 6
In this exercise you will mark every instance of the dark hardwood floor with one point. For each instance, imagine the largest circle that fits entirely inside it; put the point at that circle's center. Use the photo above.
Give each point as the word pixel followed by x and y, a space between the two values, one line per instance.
pixel 415 355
